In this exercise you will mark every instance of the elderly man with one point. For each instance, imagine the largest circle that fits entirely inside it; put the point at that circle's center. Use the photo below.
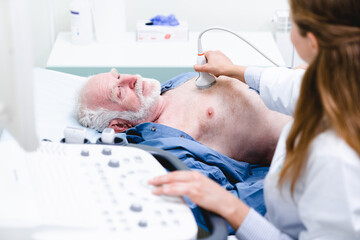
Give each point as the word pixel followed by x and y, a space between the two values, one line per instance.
pixel 227 117
pixel 226 132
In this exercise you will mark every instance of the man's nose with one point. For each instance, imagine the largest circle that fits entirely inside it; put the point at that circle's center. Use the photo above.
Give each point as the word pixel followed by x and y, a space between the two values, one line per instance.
pixel 129 80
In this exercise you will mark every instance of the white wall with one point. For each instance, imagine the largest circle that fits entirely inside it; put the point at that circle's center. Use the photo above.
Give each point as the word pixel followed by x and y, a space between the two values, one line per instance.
pixel 41 31
pixel 240 15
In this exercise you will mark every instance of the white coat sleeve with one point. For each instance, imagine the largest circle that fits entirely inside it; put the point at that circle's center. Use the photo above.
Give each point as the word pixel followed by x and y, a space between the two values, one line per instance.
pixel 256 227
pixel 280 87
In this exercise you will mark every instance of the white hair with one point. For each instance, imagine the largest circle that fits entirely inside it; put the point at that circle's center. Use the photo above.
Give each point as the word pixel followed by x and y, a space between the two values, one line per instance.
pixel 100 118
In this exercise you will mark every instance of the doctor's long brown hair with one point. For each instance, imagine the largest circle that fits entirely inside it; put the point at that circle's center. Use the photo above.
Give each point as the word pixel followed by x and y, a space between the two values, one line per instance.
pixel 330 90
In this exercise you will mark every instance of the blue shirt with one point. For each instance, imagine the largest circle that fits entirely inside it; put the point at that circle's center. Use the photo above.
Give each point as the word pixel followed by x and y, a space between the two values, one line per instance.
pixel 240 178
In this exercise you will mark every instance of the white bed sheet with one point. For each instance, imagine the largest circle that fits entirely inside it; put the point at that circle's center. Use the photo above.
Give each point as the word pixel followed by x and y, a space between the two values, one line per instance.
pixel 55 98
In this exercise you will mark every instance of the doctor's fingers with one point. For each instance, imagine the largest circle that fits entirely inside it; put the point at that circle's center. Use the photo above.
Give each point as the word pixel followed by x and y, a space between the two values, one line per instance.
pixel 209 68
pixel 179 189
pixel 206 194
pixel 218 63
pixel 190 183
pixel 216 55
pixel 176 176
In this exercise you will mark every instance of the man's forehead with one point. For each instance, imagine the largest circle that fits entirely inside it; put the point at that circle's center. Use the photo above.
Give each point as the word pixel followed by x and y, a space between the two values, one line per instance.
pixel 103 76
pixel 97 89
pixel 100 81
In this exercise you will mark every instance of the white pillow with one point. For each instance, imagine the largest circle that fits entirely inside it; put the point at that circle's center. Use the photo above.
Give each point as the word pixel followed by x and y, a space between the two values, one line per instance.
pixel 55 99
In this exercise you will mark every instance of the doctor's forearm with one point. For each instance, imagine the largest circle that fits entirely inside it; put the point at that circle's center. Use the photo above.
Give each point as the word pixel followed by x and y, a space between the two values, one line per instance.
pixel 233 210
pixel 237 72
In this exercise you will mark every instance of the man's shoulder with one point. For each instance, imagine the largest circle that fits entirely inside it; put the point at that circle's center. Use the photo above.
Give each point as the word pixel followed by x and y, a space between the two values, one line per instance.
pixel 177 81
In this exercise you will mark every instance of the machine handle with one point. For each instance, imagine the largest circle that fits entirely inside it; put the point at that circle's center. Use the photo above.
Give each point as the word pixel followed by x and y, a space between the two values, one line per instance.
pixel 218 228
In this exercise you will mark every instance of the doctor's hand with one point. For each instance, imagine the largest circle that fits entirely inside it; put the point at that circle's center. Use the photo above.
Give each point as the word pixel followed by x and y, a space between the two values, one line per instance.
pixel 219 64
pixel 204 192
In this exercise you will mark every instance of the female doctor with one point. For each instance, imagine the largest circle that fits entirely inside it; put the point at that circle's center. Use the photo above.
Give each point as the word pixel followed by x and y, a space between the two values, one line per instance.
pixel 312 190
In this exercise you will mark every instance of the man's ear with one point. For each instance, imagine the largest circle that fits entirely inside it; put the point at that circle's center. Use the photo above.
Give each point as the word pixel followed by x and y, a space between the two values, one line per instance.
pixel 119 125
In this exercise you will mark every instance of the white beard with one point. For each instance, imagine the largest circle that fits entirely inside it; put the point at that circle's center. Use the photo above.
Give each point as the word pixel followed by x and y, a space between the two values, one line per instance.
pixel 148 104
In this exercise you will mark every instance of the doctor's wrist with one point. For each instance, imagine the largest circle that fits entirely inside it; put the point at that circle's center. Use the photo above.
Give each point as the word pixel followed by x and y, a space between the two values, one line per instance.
pixel 234 211
pixel 238 72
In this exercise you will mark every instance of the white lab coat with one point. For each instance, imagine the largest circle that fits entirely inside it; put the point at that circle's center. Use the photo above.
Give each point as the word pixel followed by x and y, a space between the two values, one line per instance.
pixel 326 201
pixel 280 87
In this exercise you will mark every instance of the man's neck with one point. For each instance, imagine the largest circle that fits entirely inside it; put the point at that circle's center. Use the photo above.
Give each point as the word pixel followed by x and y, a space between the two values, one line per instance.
pixel 155 112
pixel 160 107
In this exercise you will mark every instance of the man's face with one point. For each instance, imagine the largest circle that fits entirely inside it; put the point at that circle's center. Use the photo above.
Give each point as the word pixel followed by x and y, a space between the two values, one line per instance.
pixel 121 92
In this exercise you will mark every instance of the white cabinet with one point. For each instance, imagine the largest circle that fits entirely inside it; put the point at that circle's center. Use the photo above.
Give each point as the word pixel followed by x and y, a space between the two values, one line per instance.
pixel 160 60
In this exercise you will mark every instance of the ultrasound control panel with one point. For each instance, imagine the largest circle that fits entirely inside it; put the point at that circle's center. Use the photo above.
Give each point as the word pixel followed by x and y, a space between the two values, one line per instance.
pixel 88 191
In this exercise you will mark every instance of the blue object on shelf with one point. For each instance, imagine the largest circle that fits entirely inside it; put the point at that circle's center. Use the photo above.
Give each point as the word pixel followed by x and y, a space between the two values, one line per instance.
pixel 164 20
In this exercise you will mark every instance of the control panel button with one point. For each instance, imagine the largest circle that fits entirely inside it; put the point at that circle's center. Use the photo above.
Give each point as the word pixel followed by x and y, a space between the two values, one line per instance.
pixel 114 163
pixel 85 153
pixel 106 151
pixel 142 223
pixel 136 207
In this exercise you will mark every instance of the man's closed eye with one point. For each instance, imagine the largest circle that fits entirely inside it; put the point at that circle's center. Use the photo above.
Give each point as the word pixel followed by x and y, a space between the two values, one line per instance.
pixel 119 92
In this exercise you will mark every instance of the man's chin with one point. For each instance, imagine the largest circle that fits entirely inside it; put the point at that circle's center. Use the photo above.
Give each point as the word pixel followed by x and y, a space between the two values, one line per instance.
pixel 150 107
pixel 154 86
pixel 149 103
